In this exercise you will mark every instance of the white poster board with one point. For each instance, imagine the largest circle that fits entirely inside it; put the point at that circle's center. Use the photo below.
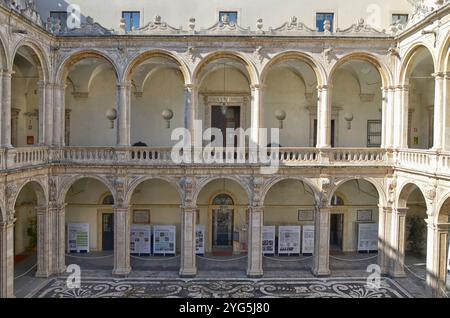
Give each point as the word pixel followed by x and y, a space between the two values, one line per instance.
pixel 448 257
pixel 268 241
pixel 78 238
pixel 308 239
pixel 200 239
pixel 289 239
pixel 164 239
pixel 140 239
pixel 367 237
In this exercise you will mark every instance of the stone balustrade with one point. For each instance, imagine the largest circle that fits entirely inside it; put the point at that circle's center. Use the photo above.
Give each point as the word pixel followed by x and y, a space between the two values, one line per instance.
pixel 428 161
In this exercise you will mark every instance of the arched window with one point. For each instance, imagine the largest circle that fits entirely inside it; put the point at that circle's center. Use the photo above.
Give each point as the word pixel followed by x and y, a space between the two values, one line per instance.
pixel 108 200
pixel 337 200
pixel 223 199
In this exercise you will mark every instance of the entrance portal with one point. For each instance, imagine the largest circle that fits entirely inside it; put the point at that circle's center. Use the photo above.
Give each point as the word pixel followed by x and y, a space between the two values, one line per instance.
pixel 336 231
pixel 108 231
pixel 222 225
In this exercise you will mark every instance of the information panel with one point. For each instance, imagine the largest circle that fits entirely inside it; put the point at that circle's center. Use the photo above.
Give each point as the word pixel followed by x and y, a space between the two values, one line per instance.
pixel 140 239
pixel 164 239
pixel 308 239
pixel 200 239
pixel 268 242
pixel 367 237
pixel 78 237
pixel 448 257
pixel 289 239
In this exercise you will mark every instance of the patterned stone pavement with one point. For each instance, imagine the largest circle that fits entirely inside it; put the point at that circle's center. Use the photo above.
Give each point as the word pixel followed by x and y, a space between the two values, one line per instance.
pixel 233 288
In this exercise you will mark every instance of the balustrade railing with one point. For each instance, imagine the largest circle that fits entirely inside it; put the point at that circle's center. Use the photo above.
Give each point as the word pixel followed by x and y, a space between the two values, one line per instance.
pixel 26 156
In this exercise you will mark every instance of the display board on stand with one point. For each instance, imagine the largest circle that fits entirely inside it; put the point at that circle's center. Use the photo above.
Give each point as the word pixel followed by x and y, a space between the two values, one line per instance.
pixel 164 239
pixel 140 239
pixel 78 238
pixel 268 242
pixel 200 240
pixel 289 240
pixel 367 237
pixel 308 239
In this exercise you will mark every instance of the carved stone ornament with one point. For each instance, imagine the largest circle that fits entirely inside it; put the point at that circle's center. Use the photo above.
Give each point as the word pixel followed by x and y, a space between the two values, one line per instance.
pixel 361 28
pixel 88 28
pixel 430 193
pixel 157 26
pixel 293 26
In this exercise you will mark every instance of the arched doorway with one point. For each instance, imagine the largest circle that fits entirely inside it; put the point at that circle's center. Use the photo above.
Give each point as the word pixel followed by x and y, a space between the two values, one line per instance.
pixel 222 209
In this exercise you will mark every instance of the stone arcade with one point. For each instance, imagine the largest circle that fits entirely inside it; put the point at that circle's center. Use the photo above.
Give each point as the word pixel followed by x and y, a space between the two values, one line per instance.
pixel 363 111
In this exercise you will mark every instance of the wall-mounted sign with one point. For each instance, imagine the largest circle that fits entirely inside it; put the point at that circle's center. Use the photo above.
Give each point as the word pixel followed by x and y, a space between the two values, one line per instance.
pixel 308 239
pixel 200 239
pixel 141 216
pixel 78 238
pixel 367 237
pixel 305 215
pixel 164 239
pixel 140 239
pixel 364 215
pixel 268 242
pixel 289 239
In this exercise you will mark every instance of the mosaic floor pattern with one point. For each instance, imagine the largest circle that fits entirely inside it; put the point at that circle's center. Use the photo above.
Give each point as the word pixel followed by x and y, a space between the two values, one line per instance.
pixel 233 288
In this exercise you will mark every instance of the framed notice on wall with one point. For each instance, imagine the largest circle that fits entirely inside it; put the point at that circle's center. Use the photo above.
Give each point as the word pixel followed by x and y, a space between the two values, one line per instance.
pixel 141 216
pixel 289 239
pixel 140 239
pixel 305 215
pixel 364 215
pixel 268 241
pixel 78 237
pixel 308 239
pixel 200 239
pixel 367 237
pixel 164 239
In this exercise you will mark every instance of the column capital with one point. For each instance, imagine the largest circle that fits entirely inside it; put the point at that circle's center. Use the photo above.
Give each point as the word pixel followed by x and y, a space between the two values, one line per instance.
pixel 190 87
pixel 121 209
pixel 323 208
pixel 324 87
pixel 440 75
pixel 386 209
pixel 6 73
pixel 189 208
pixel 401 211
pixel 124 85
pixel 256 209
pixel 257 87
pixel 401 87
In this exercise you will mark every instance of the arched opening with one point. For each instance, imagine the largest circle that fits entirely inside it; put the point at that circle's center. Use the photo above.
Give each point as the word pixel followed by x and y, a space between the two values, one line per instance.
pixel 89 225
pixel 356 105
pixel 27 98
pixel 288 230
pixel 90 101
pixel 290 102
pixel 354 225
pixel 155 226
pixel 224 97
pixel 26 236
pixel 444 219
pixel 223 217
pixel 157 100
pixel 412 202
pixel 421 89
pixel 446 98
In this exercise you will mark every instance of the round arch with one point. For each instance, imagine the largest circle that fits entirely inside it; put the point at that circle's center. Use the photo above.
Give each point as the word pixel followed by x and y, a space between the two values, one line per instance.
pixel 136 183
pixel 378 188
pixel 38 189
pixel 386 76
pixel 294 55
pixel 440 212
pixel 408 61
pixel 204 183
pixel 444 55
pixel 230 55
pixel 405 191
pixel 136 62
pixel 70 182
pixel 4 58
pixel 63 69
pixel 277 180
pixel 43 68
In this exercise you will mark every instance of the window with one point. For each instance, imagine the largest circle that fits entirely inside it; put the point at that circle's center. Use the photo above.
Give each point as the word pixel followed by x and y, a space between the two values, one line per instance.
pixel 132 19
pixel 108 200
pixel 373 133
pixel 321 17
pixel 399 18
pixel 230 16
pixel 337 200
pixel 62 17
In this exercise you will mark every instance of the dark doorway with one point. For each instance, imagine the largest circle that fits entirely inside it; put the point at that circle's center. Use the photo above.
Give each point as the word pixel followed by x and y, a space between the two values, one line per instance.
pixel 108 231
pixel 336 231
pixel 223 229
pixel 223 118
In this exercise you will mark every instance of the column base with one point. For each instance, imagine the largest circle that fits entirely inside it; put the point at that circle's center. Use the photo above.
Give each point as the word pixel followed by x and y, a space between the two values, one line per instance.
pixel 398 274
pixel 255 274
pixel 121 271
pixel 188 273
pixel 43 274
pixel 321 273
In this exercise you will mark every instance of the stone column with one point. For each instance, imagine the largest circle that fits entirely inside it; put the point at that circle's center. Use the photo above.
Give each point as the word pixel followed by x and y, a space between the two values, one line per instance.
pixel 324 117
pixel 446 143
pixel 189 116
pixel 121 241
pixel 15 126
pixel 398 242
pixel 321 257
pixel 255 253
pixel 44 241
pixel 401 117
pixel 6 109
pixel 188 266
pixel 59 235
pixel 384 232
pixel 255 120
pixel 42 111
pixel 48 118
pixel 437 243
pixel 387 117
pixel 439 111
pixel 123 115
pixel 7 259
pixel 67 127
pixel 59 93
